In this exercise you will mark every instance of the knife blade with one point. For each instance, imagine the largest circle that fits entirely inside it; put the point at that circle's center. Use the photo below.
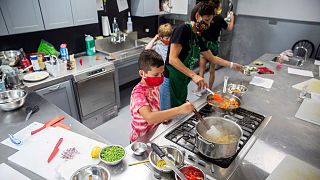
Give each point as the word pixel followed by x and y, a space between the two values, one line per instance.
pixel 55 150
pixel 48 123
pixel 163 156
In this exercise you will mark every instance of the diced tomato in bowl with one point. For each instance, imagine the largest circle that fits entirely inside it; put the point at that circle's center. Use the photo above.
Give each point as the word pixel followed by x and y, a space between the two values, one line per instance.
pixel 191 173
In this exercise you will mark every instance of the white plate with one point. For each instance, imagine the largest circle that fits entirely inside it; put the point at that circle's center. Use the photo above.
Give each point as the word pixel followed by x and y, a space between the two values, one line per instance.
pixel 36 76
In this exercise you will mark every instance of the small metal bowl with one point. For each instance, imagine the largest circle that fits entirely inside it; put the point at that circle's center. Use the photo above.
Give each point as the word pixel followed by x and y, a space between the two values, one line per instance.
pixel 237 89
pixel 172 153
pixel 139 148
pixel 12 99
pixel 91 172
pixel 113 162
pixel 189 168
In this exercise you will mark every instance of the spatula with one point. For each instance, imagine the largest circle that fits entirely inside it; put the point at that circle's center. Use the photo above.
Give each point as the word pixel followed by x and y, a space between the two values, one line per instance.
pixel 211 130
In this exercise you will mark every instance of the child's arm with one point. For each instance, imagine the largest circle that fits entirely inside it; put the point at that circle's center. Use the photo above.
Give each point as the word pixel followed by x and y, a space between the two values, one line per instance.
pixel 151 43
pixel 161 116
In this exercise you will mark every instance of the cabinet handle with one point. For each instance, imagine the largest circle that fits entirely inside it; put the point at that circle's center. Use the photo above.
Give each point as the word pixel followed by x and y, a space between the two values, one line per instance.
pixel 54 89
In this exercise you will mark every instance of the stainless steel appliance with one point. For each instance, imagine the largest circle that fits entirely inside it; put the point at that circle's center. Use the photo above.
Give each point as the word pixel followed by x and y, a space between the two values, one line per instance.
pixel 183 137
pixel 96 95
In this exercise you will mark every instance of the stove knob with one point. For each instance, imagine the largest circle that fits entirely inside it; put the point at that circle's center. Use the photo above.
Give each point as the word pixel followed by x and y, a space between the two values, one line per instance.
pixel 212 168
pixel 191 158
pixel 202 163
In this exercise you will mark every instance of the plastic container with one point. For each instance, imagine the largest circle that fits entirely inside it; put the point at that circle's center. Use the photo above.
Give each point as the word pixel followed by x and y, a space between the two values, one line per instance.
pixel 64 52
pixel 129 24
pixel 35 63
pixel 90 46
pixel 115 27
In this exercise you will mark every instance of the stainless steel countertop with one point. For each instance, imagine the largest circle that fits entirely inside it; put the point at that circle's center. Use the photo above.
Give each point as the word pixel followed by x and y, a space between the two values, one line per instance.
pixel 283 135
pixel 14 121
pixel 88 62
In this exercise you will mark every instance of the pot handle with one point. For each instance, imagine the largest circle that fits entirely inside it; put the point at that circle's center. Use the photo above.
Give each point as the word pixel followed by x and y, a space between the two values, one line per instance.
pixel 205 141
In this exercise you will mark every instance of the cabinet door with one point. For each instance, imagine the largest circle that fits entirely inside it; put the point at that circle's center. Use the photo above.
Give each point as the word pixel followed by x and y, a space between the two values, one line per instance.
pixel 84 12
pixel 61 95
pixel 144 7
pixel 3 27
pixel 56 14
pixel 151 7
pixel 22 15
pixel 179 6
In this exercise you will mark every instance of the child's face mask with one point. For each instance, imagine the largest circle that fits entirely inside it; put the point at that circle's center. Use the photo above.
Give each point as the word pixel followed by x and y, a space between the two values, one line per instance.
pixel 153 81
pixel 165 40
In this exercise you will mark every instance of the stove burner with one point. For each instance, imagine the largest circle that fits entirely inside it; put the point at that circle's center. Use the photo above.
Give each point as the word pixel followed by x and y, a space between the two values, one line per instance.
pixel 184 134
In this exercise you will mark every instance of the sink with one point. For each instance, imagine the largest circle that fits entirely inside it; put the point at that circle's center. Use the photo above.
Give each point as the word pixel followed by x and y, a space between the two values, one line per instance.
pixel 293 61
pixel 121 50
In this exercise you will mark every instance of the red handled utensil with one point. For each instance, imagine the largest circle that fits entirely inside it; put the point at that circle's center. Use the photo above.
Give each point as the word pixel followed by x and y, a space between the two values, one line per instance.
pixel 55 150
pixel 48 123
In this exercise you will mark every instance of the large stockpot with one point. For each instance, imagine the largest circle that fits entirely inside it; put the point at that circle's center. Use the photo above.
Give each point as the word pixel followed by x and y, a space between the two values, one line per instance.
pixel 213 149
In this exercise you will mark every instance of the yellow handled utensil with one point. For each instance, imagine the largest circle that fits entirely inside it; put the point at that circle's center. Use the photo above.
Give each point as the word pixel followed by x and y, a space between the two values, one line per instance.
pixel 138 162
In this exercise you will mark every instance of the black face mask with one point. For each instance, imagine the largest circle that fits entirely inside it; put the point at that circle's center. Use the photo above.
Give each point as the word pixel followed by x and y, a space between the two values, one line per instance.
pixel 201 26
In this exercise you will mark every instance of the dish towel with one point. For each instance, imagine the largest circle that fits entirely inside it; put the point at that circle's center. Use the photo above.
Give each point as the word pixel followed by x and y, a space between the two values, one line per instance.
pixel 265 70
pixel 261 82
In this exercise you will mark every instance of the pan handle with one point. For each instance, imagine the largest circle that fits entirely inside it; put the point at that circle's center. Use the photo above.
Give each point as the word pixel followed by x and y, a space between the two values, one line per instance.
pixel 198 138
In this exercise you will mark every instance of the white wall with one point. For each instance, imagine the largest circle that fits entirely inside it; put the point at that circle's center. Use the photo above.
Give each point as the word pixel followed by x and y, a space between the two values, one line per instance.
pixel 301 10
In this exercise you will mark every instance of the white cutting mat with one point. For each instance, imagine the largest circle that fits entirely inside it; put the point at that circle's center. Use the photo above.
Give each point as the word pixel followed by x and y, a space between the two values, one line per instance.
pixel 291 168
pixel 309 110
pixel 23 135
pixel 8 172
pixel 34 156
pixel 300 72
pixel 262 82
pixel 313 85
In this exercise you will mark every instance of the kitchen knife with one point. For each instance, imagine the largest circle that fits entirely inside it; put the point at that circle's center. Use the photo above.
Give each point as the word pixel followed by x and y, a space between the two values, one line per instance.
pixel 163 156
pixel 48 123
pixel 55 150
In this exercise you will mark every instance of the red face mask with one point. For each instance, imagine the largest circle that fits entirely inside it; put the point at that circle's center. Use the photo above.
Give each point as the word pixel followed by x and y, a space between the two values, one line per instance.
pixel 165 41
pixel 153 81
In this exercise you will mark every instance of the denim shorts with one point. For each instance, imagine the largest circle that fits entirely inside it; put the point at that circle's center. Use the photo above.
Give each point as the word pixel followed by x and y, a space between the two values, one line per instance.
pixel 165 100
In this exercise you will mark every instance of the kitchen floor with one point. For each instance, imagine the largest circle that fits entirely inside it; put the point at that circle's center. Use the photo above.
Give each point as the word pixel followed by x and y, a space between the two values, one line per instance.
pixel 117 130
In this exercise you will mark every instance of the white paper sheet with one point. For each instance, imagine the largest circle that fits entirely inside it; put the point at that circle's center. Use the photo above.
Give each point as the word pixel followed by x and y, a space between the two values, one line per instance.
pixel 23 135
pixel 122 5
pixel 262 82
pixel 7 172
pixel 317 62
pixel 300 72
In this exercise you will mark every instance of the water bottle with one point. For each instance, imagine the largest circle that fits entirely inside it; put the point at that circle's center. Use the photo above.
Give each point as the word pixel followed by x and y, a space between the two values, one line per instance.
pixel 64 52
pixel 129 24
pixel 90 47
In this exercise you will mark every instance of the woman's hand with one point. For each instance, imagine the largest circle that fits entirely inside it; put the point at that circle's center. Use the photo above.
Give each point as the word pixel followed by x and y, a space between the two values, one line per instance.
pixel 237 67
pixel 199 81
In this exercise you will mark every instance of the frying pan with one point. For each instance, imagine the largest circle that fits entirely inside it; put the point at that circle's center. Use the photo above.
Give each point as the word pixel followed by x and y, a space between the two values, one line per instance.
pixel 217 104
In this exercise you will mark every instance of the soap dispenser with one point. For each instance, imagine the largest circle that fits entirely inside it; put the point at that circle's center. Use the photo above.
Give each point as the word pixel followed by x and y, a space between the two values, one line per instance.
pixel 115 27
pixel 129 24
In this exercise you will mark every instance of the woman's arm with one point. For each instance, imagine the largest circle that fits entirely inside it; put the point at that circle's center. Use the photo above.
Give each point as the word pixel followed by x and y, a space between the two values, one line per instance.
pixel 231 23
pixel 162 116
pixel 174 60
pixel 217 60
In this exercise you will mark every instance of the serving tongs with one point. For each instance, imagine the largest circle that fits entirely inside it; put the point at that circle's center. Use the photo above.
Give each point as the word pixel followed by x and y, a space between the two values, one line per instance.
pixel 163 156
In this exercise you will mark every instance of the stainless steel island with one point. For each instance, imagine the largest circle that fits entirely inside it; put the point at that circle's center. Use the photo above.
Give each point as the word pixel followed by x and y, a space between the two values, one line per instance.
pixel 279 135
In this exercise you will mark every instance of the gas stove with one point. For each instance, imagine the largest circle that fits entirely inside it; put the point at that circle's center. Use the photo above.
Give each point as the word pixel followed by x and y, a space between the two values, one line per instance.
pixel 182 136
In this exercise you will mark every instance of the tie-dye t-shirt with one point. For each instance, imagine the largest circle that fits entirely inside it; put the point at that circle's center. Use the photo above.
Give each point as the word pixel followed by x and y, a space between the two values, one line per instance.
pixel 142 95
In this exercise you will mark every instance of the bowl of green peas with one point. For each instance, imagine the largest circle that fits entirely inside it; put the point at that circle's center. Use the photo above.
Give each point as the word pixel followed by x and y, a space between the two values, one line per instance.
pixel 112 155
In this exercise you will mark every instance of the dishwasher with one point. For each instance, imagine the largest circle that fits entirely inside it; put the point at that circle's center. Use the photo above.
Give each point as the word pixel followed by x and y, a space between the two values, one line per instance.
pixel 96 95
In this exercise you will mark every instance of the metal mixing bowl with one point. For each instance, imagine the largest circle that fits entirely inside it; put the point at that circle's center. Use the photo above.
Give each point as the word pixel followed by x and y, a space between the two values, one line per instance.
pixel 232 88
pixel 12 99
pixel 138 148
pixel 91 172
pixel 172 153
